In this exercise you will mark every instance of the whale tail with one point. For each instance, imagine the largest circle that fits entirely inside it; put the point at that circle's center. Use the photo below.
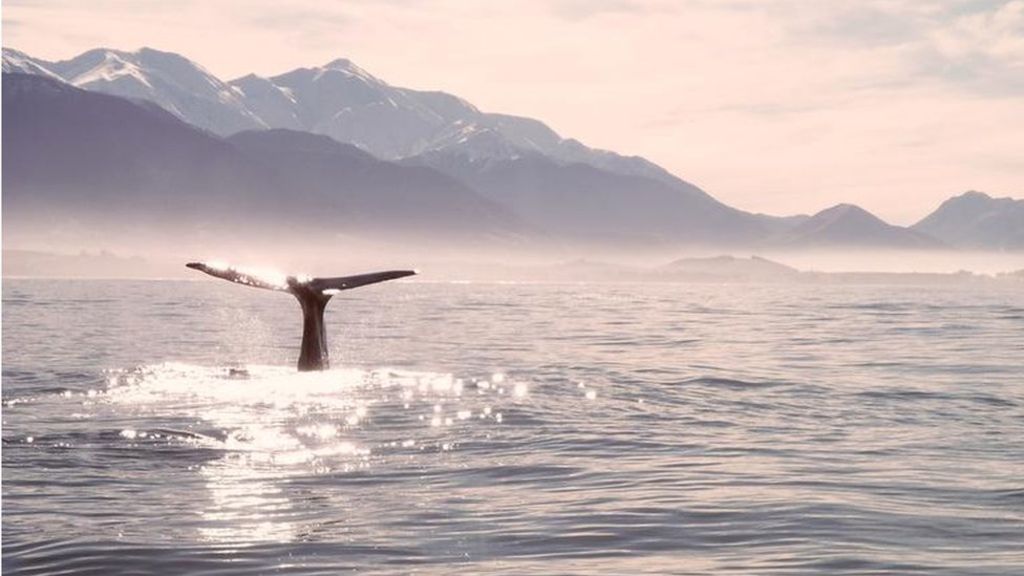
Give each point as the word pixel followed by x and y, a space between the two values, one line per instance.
pixel 313 295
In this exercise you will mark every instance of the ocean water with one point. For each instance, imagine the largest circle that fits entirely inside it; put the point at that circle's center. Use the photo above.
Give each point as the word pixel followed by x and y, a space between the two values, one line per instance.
pixel 514 428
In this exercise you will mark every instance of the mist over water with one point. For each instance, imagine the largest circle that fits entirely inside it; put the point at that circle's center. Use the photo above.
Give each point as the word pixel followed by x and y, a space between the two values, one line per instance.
pixel 479 260
pixel 511 428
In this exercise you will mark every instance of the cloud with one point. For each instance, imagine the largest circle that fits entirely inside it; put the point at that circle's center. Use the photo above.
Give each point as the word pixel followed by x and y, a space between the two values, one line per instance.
pixel 299 21
pixel 310 27
pixel 982 50
pixel 126 6
pixel 575 10
pixel 974 45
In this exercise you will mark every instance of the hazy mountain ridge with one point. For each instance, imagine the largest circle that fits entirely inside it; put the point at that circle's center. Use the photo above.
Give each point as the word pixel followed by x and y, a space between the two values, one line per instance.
pixel 977 220
pixel 328 175
pixel 586 203
pixel 116 166
pixel 729 267
pixel 850 225
pixel 67 148
pixel 32 264
pixel 723 269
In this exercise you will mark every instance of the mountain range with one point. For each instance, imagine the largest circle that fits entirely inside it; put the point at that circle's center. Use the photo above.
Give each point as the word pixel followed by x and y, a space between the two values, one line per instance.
pixel 147 133
pixel 338 99
pixel 74 155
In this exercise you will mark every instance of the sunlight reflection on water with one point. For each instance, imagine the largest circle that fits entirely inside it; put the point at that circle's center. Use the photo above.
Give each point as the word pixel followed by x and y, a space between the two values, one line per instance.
pixel 276 423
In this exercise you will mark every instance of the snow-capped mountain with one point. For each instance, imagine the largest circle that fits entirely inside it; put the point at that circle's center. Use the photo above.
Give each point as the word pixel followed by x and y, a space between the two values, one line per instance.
pixel 274 105
pixel 19 62
pixel 173 82
pixel 338 99
pixel 348 104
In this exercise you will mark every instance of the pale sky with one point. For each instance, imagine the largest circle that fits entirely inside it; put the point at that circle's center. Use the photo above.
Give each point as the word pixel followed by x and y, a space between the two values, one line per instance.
pixel 777 106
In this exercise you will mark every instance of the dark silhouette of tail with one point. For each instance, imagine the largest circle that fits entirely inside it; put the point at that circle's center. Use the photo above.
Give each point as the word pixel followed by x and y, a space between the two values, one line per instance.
pixel 313 295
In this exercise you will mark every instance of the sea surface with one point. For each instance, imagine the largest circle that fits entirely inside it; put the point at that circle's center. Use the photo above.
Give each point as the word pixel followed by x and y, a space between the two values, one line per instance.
pixel 159 427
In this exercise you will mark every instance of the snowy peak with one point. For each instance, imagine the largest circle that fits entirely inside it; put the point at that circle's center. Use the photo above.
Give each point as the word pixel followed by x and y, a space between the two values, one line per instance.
pixel 474 142
pixel 15 62
pixel 339 68
pixel 185 73
pixel 347 66
pixel 340 63
pixel 525 132
pixel 443 108
pixel 170 80
pixel 101 66
pixel 274 105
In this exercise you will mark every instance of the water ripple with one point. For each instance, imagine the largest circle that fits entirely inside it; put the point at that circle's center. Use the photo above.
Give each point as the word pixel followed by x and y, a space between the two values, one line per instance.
pixel 509 429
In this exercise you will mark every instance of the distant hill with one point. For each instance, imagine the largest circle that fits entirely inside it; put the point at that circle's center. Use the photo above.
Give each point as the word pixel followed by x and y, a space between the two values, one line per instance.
pixel 83 265
pixel 728 268
pixel 976 220
pixel 849 226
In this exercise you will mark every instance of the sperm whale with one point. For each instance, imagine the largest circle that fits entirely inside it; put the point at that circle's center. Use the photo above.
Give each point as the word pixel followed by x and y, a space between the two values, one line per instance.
pixel 313 295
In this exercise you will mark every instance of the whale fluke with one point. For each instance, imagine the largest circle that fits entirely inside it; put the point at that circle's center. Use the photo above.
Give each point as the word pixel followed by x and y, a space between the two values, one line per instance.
pixel 254 278
pixel 313 295
pixel 349 282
